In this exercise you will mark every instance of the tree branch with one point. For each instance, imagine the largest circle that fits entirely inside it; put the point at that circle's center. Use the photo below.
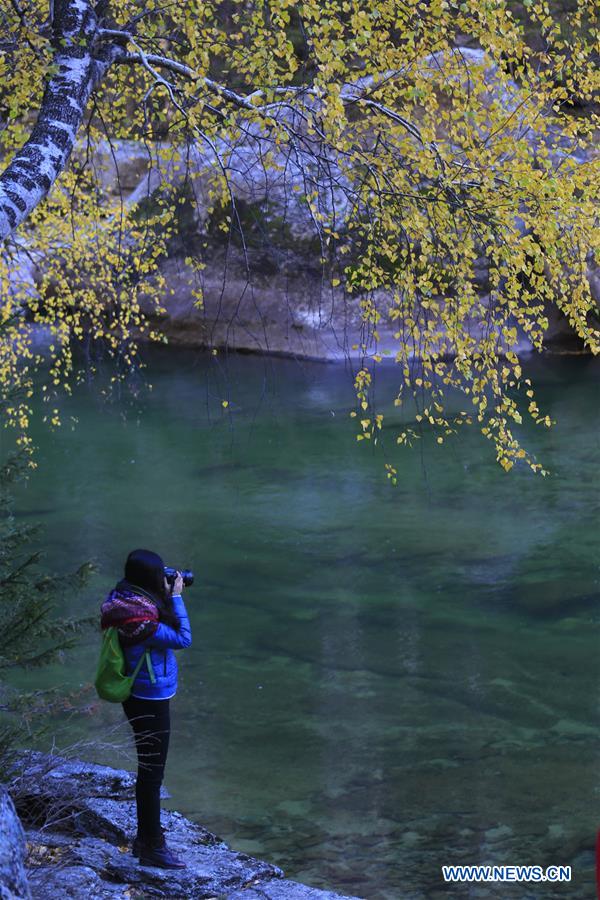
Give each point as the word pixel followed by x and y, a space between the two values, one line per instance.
pixel 83 53
pixel 150 60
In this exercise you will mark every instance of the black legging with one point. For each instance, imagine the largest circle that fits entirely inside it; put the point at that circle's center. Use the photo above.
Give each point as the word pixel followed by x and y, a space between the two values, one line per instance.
pixel 150 720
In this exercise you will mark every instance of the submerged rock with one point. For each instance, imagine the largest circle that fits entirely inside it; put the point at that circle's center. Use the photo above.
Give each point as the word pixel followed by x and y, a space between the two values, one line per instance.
pixel 79 823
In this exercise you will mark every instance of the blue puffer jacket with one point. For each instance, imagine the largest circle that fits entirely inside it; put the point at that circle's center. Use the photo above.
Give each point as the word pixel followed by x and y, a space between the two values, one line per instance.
pixel 161 647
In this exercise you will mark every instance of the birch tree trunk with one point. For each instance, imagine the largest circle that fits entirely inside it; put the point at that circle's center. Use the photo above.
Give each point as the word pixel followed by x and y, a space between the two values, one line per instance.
pixel 37 165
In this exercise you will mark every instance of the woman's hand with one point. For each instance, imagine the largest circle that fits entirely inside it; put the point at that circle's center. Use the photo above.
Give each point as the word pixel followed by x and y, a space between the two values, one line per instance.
pixel 176 587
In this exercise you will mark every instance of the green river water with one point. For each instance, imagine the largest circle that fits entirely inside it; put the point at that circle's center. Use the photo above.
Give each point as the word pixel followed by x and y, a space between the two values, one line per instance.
pixel 382 680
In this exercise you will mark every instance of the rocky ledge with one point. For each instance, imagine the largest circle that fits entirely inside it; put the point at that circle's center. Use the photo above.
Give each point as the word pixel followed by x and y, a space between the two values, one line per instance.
pixel 77 821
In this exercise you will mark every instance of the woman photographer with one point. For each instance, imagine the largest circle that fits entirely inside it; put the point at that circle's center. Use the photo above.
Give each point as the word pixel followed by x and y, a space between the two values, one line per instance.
pixel 149 614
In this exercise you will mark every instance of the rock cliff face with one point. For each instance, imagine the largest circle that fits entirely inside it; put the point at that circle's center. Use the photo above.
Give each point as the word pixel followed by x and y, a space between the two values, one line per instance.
pixel 79 822
pixel 291 313
pixel 284 313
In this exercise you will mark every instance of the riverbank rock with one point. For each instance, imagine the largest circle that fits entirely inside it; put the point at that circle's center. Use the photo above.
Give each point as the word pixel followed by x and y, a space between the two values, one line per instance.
pixel 80 820
pixel 287 312
pixel 13 879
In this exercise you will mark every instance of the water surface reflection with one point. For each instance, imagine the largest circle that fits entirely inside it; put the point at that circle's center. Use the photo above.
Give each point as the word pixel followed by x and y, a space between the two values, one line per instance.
pixel 381 680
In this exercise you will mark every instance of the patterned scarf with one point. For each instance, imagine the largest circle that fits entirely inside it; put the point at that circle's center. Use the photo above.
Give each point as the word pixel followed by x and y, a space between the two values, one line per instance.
pixel 133 613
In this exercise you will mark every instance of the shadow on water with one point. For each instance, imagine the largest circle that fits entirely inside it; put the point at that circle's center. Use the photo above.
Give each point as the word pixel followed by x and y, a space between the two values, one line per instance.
pixel 29 513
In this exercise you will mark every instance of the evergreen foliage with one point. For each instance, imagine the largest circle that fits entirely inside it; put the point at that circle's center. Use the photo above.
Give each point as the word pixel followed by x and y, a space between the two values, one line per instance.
pixel 31 635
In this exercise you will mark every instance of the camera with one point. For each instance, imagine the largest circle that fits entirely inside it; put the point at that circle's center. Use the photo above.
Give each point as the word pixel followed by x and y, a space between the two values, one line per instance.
pixel 186 574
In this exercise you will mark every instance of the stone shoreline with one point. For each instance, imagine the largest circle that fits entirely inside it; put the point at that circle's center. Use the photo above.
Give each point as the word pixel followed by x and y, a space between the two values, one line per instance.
pixel 74 840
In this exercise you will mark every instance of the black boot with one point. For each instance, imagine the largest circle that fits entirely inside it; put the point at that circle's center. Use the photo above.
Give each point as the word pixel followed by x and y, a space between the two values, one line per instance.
pixel 139 841
pixel 156 853
pixel 136 845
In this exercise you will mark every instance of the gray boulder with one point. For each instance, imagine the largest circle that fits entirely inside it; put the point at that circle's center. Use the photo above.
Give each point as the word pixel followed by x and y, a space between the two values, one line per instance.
pixel 13 878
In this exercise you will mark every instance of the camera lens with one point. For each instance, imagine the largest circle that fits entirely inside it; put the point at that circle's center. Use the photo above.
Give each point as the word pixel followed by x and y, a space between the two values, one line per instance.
pixel 186 574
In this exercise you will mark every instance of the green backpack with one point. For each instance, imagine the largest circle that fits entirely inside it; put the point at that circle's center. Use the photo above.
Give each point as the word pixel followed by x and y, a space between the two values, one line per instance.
pixel 111 682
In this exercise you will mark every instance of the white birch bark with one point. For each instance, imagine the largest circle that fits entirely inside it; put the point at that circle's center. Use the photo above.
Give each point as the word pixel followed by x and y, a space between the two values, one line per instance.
pixel 36 166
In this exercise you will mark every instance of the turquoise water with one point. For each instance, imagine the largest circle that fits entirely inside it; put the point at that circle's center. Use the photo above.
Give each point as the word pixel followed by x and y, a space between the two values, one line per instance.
pixel 382 680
